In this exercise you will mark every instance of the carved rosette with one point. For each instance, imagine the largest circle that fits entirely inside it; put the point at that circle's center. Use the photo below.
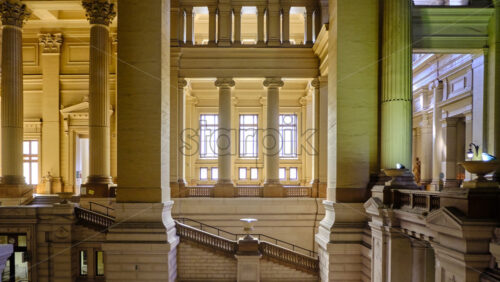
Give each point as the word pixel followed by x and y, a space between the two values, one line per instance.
pixel 273 82
pixel 51 43
pixel 224 82
pixel 13 12
pixel 99 11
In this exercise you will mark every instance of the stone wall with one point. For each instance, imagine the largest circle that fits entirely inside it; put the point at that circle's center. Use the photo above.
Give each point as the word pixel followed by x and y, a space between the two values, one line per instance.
pixel 271 271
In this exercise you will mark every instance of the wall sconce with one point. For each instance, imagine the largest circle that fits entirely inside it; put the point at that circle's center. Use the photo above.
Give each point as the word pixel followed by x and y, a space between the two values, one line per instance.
pixel 471 154
pixel 400 166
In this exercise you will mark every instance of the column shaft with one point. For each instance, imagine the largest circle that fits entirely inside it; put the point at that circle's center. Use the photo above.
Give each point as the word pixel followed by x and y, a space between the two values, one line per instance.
pixel 271 135
pixel 182 22
pixel 426 154
pixel 396 84
pixel 286 25
pixel 273 23
pixel 260 24
pixel 211 24
pixel 224 131
pixel 237 25
pixel 189 26
pixel 449 163
pixel 437 135
pixel 181 105
pixel 308 38
pixel 317 109
pixel 225 23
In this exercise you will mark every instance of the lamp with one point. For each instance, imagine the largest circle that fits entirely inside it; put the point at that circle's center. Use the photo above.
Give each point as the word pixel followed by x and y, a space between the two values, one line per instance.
pixel 400 166
pixel 470 153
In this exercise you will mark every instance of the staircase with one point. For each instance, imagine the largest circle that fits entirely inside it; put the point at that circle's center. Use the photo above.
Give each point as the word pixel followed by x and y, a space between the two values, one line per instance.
pixel 217 239
pixel 49 200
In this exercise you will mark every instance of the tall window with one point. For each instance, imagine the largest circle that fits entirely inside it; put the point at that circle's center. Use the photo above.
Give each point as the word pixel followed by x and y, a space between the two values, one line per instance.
pixel 248 136
pixel 30 165
pixel 208 136
pixel 288 136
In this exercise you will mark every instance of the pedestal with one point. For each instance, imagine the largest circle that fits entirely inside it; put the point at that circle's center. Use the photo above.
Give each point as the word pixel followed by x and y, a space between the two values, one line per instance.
pixel 248 257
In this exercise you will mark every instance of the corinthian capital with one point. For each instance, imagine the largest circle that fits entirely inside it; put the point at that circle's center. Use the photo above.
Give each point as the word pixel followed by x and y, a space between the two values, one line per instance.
pixel 273 82
pixel 13 12
pixel 99 11
pixel 224 82
pixel 51 43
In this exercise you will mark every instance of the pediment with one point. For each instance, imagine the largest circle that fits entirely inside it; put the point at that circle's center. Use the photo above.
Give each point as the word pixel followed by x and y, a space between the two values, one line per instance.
pixel 373 206
pixel 445 219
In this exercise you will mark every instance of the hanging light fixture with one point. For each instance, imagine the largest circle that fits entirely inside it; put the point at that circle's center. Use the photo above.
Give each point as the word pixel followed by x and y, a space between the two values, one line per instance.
pixel 470 153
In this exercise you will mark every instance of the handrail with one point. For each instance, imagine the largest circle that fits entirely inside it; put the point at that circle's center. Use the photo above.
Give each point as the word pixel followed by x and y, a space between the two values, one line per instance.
pixel 101 205
pixel 235 236
pixel 227 246
pixel 94 219
pixel 303 262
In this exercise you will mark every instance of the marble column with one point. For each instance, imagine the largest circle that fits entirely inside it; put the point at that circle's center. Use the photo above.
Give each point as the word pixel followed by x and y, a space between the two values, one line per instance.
pixel 224 187
pixel 308 32
pixel 13 14
pixel 272 186
pixel 426 153
pixel 437 137
pixel 286 25
pixel 273 23
pixel 260 24
pixel 212 14
pixel 237 25
pixel 396 137
pixel 316 152
pixel 100 14
pixel 51 53
pixel 189 26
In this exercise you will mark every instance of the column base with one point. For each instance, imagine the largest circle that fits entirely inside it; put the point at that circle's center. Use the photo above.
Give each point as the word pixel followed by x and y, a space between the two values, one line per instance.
pixel 52 186
pixel 273 190
pixel 143 246
pixel 98 190
pixel 224 190
pixel 224 43
pixel 274 43
pixel 15 194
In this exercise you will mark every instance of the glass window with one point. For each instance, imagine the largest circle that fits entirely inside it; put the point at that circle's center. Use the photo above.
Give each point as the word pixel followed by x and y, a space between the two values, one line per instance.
pixel 254 173
pixel 203 173
pixel 215 173
pixel 99 263
pixel 30 159
pixel 248 136
pixel 293 173
pixel 288 136
pixel 242 173
pixel 208 136
pixel 83 263
pixel 282 173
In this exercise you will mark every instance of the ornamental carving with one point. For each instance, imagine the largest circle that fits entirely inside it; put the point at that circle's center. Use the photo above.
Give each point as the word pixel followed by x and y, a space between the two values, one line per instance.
pixel 224 82
pixel 51 43
pixel 181 83
pixel 13 12
pixel 99 11
pixel 315 83
pixel 273 82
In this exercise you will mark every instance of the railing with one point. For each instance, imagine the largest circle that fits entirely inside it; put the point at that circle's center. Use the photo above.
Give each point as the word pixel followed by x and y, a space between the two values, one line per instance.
pixel 108 209
pixel 416 199
pixel 293 259
pixel 200 191
pixel 249 191
pixel 93 219
pixel 297 192
pixel 227 246
pixel 233 236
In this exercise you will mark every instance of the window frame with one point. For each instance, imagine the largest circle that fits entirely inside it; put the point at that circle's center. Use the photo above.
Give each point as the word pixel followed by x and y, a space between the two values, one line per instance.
pixel 212 140
pixel 294 128
pixel 29 159
pixel 242 142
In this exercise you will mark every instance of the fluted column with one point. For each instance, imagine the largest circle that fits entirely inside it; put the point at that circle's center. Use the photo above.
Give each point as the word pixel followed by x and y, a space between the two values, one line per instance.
pixel 396 85
pixel 286 25
pixel 100 14
pixel 260 24
pixel 437 135
pixel 189 25
pixel 212 10
pixel 224 187
pixel 237 25
pixel 271 137
pixel 13 15
pixel 308 39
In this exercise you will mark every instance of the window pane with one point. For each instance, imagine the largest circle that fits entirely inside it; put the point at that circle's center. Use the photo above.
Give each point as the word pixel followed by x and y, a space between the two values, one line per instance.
pixel 208 135
pixel 34 173
pixel 99 263
pixel 248 136
pixel 215 173
pixel 288 136
pixel 26 147
pixel 282 173
pixel 21 241
pixel 293 173
pixel 83 263
pixel 242 173
pixel 203 173
pixel 34 147
pixel 26 172
pixel 254 173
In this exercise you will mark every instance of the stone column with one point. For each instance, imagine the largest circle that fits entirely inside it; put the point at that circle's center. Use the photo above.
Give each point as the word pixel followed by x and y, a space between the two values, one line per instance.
pixel 449 162
pixel 100 14
pixel 189 25
pixel 13 14
pixel 224 187
pixel 308 38
pixel 212 14
pixel 272 186
pixel 225 23
pixel 316 150
pixel 323 137
pixel 426 153
pixel 51 53
pixel 146 238
pixel 286 25
pixel 396 107
pixel 237 25
pixel 437 136
pixel 260 24
pixel 181 107
pixel 273 23
pixel 182 21
pixel 317 22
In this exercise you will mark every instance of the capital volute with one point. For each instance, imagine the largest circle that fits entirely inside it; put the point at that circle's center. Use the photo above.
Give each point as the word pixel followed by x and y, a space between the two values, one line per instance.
pixel 273 82
pixel 315 83
pixel 224 82
pixel 181 83
pixel 51 43
pixel 99 11
pixel 13 12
